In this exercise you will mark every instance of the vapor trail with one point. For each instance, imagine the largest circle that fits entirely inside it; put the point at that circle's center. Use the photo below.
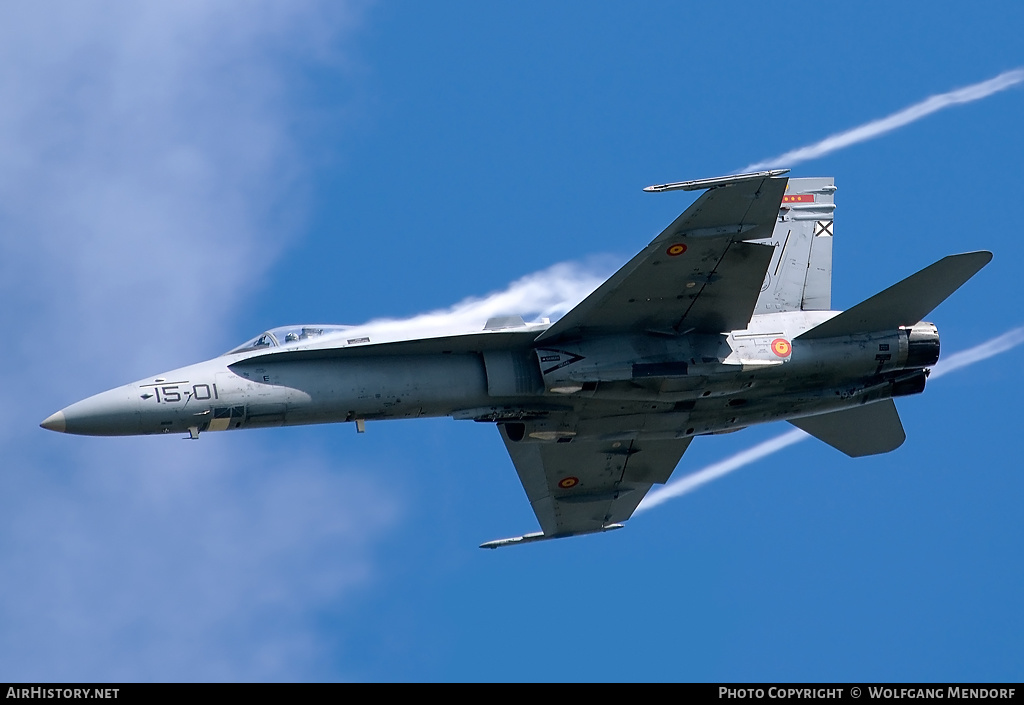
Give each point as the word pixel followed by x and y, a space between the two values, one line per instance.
pixel 685 485
pixel 723 467
pixel 1006 341
pixel 877 128
pixel 549 293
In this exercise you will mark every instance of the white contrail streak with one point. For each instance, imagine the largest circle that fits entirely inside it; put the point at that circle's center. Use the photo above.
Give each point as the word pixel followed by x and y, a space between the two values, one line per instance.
pixel 1006 341
pixel 685 485
pixel 724 467
pixel 877 128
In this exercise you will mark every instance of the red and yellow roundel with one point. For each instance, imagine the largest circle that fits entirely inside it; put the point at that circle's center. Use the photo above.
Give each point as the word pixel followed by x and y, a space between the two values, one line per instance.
pixel 568 482
pixel 781 347
pixel 677 249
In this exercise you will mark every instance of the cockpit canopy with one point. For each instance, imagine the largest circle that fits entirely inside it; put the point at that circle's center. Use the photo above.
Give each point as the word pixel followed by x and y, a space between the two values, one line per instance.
pixel 287 336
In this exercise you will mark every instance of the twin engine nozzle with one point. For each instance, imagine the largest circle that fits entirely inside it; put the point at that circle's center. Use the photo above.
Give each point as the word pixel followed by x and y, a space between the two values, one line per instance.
pixel 922 345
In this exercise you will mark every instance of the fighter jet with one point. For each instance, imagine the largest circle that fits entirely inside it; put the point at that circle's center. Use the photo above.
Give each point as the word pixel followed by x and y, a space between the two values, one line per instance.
pixel 723 321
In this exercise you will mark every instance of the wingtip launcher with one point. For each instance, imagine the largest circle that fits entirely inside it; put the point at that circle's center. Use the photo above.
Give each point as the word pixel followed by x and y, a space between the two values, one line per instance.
pixel 699 184
pixel 540 536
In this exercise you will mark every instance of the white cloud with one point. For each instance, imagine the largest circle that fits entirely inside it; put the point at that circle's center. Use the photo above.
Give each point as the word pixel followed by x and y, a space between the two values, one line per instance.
pixel 148 176
pixel 147 167
pixel 181 562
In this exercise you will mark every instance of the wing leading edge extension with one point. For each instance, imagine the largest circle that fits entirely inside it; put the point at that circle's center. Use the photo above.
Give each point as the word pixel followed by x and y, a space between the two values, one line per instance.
pixel 700 273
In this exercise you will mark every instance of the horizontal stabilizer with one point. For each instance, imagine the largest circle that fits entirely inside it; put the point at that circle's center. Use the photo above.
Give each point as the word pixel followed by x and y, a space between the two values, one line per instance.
pixel 905 303
pixel 863 430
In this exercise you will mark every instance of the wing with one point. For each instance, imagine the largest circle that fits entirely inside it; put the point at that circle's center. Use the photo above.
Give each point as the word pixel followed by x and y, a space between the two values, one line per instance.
pixel 585 486
pixel 699 274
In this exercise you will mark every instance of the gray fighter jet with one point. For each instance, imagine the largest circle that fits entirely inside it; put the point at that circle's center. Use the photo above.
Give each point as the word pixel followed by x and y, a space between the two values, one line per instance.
pixel 723 321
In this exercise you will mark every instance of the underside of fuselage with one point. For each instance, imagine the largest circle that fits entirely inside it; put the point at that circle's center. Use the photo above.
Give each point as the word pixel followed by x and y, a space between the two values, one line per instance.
pixel 633 389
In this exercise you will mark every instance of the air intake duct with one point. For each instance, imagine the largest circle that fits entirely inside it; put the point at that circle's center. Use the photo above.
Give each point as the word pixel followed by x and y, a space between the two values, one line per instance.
pixel 922 345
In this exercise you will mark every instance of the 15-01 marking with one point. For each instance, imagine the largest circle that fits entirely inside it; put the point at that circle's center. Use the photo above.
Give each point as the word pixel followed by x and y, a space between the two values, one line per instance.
pixel 170 393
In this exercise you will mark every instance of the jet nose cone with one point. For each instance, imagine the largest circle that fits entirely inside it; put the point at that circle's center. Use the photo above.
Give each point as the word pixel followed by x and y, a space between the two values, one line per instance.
pixel 55 422
pixel 113 413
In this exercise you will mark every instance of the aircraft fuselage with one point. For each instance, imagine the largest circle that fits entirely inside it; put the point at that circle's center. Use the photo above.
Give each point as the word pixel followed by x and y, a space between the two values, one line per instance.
pixel 653 386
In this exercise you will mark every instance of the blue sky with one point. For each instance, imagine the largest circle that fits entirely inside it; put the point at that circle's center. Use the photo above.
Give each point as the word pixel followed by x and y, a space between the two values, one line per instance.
pixel 175 178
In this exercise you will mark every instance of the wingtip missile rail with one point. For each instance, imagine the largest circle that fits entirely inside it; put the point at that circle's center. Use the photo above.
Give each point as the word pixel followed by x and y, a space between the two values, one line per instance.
pixel 541 536
pixel 700 184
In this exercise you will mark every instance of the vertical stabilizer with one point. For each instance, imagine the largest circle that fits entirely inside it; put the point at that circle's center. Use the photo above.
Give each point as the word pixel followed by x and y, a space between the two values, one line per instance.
pixel 800 274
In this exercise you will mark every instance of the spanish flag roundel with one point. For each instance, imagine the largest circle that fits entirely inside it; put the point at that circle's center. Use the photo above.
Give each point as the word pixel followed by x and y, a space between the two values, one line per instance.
pixel 781 347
